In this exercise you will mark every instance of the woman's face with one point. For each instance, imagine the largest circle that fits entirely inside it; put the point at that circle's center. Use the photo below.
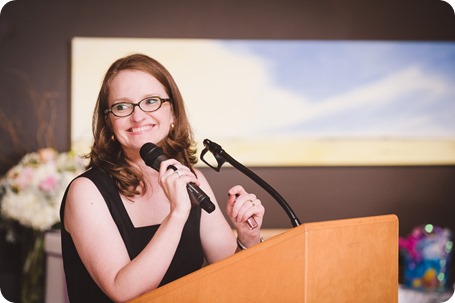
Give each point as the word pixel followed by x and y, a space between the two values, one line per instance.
pixel 140 127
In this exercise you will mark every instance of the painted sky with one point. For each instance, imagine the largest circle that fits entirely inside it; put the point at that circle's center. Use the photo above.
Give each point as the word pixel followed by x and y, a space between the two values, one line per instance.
pixel 269 89
pixel 355 89
pixel 323 102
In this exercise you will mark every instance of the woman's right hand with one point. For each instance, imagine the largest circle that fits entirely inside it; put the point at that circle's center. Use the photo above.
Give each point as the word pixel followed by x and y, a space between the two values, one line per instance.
pixel 174 182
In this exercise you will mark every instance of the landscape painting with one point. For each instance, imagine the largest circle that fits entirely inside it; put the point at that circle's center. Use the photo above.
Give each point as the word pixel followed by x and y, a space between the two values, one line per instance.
pixel 295 102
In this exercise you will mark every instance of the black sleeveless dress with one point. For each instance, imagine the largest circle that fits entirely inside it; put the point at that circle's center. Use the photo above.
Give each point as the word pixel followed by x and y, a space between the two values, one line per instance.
pixel 81 287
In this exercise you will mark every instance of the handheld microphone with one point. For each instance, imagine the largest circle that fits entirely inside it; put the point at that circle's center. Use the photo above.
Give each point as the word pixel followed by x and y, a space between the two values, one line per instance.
pixel 153 156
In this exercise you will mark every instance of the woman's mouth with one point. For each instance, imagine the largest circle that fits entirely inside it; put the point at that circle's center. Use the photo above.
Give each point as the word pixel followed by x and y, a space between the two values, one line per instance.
pixel 140 129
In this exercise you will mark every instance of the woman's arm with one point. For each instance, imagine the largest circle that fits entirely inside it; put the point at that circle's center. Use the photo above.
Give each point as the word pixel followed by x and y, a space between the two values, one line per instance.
pixel 217 238
pixel 102 250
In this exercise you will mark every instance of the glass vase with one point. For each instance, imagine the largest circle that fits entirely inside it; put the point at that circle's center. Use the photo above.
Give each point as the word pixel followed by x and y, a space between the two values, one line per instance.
pixel 32 288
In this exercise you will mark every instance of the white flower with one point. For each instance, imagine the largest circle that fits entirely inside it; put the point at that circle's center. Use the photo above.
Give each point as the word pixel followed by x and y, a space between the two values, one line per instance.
pixel 34 188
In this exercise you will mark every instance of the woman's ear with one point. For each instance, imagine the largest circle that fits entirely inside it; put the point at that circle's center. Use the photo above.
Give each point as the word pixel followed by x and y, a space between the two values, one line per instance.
pixel 172 124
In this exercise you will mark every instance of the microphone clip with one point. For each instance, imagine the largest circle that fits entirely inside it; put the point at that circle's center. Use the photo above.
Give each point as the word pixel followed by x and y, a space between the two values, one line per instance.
pixel 217 152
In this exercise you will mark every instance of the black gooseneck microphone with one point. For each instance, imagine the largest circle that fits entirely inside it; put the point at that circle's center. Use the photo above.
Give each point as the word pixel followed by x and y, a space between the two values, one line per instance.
pixel 221 157
pixel 153 156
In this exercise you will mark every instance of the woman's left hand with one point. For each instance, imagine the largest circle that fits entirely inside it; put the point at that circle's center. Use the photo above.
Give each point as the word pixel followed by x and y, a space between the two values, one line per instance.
pixel 241 208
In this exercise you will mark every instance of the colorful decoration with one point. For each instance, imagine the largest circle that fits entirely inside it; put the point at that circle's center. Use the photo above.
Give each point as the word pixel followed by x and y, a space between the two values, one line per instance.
pixel 427 253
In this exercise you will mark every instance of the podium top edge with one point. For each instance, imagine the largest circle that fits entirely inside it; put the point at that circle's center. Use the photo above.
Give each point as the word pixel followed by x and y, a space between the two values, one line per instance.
pixel 389 218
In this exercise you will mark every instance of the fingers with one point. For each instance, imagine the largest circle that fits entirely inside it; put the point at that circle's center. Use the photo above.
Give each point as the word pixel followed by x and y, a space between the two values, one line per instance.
pixel 248 209
pixel 246 213
pixel 242 207
pixel 174 171
pixel 173 179
pixel 237 190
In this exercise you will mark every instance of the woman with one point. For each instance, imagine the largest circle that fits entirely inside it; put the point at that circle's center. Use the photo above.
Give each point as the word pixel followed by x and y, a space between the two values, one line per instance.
pixel 128 229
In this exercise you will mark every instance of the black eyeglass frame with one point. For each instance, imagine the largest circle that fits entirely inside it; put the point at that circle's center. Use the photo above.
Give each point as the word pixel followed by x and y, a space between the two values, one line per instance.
pixel 138 104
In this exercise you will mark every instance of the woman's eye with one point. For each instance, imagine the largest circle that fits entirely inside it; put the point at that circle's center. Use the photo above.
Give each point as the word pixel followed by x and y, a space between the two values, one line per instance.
pixel 151 101
pixel 121 106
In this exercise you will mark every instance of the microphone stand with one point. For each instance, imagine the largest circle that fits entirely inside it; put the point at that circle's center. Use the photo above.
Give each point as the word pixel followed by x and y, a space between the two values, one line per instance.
pixel 221 157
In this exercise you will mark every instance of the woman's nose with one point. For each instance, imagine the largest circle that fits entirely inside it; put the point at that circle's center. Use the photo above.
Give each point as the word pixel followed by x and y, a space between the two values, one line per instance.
pixel 138 114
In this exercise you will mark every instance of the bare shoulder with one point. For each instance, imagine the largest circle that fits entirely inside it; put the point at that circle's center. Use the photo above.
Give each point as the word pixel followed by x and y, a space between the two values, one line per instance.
pixel 82 190
pixel 81 183
pixel 84 202
pixel 199 174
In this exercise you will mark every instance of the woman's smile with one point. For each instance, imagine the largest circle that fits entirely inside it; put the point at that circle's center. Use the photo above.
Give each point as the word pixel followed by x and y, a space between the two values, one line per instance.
pixel 141 129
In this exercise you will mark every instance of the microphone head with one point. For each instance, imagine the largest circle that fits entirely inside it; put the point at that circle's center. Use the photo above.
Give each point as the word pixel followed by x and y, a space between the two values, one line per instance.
pixel 150 152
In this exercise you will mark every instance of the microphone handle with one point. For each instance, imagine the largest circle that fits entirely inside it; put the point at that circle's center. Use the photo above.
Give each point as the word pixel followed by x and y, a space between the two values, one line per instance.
pixel 206 204
pixel 197 195
pixel 153 156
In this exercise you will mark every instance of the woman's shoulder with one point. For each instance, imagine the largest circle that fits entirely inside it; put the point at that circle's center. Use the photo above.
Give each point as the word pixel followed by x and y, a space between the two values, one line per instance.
pixel 94 174
pixel 81 183
pixel 88 180
pixel 198 173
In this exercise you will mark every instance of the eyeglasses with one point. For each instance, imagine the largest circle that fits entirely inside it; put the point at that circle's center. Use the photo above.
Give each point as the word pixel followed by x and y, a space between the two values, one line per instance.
pixel 124 109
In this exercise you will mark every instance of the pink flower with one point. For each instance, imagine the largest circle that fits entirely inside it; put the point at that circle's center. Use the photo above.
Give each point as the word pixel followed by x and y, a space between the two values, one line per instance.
pixel 47 154
pixel 48 184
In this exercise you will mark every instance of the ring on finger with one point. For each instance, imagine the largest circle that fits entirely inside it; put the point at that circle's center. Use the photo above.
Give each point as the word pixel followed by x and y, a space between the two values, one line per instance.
pixel 252 202
pixel 178 173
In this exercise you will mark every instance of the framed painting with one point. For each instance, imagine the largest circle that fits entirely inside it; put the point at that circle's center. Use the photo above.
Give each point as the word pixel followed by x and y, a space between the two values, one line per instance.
pixel 295 102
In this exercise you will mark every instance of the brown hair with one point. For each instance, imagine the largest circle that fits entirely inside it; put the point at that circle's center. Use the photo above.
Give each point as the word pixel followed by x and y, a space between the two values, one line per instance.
pixel 107 154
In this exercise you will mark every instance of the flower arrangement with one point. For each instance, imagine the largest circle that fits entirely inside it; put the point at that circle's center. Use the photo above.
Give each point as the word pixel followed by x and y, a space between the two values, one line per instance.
pixel 30 197
pixel 31 192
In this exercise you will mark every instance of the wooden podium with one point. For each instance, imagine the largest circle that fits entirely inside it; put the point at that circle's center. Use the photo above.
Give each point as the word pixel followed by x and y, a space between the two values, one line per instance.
pixel 350 260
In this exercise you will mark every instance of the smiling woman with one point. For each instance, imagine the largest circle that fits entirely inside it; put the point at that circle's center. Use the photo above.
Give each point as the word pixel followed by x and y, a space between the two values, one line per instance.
pixel 129 227
pixel 127 102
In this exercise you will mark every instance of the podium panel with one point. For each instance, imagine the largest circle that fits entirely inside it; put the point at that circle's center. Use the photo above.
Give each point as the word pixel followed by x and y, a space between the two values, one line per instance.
pixel 353 260
pixel 350 260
